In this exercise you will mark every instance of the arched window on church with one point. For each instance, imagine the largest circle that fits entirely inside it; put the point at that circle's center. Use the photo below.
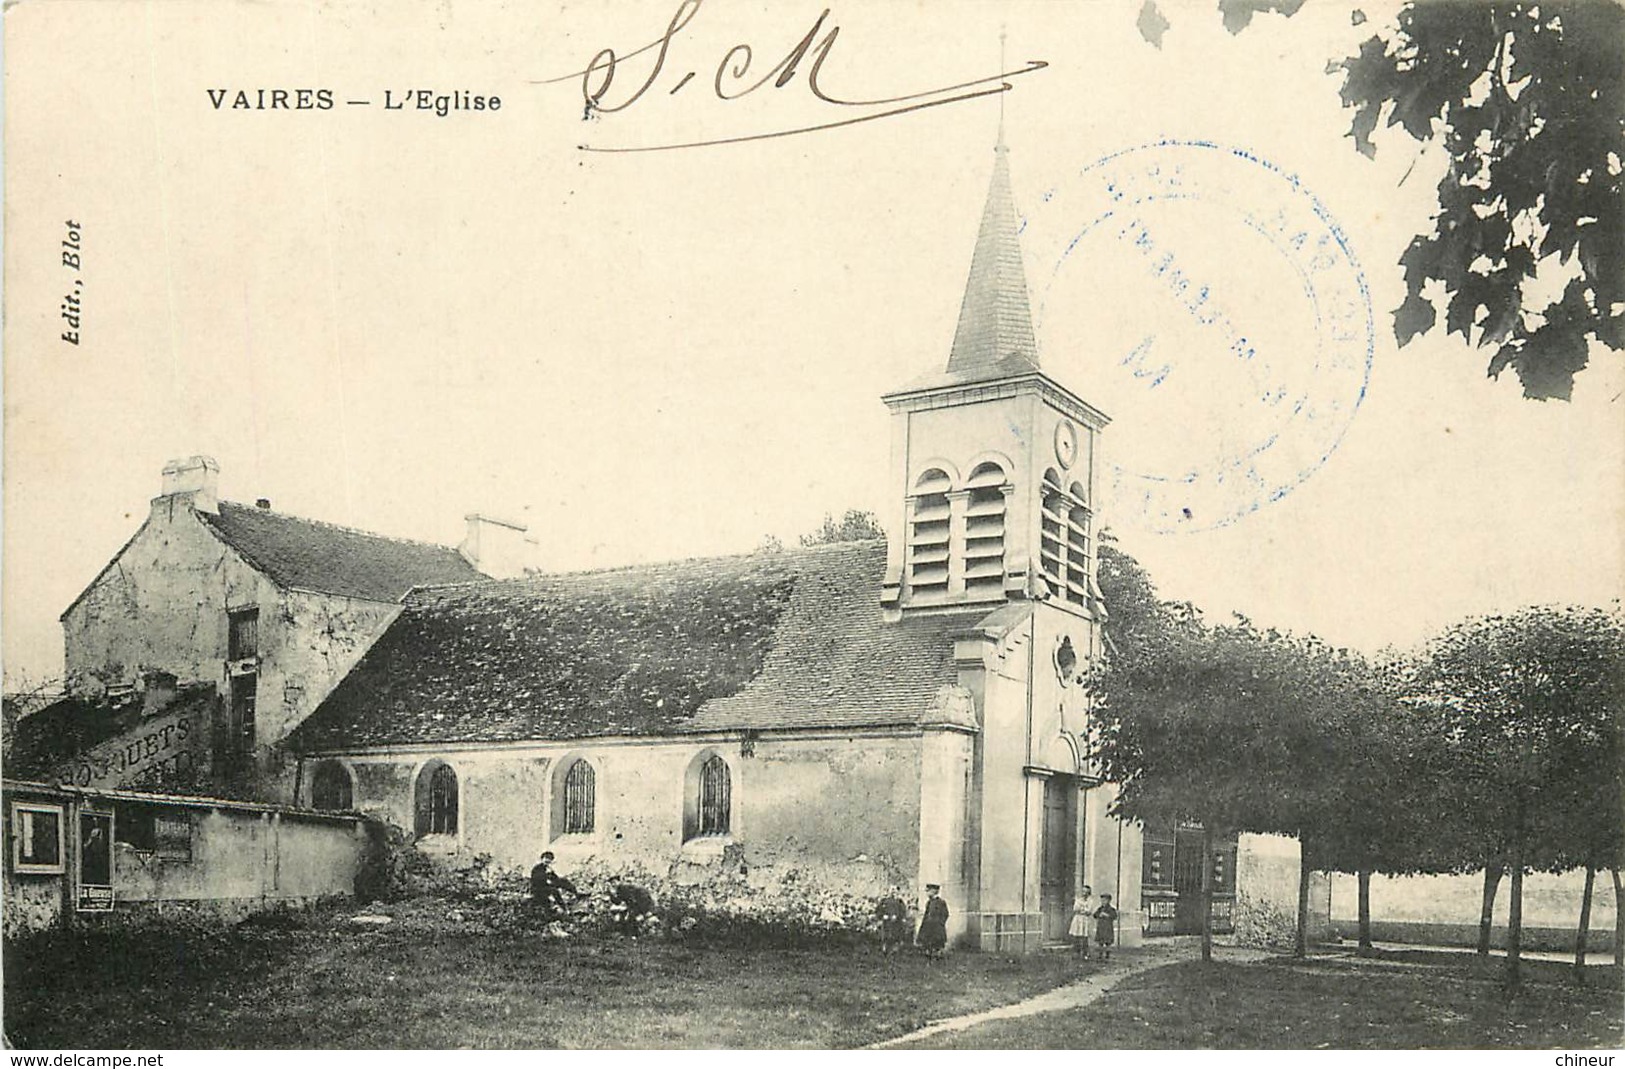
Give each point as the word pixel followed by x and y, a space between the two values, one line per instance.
pixel 928 534
pixel 984 530
pixel 330 786
pixel 1077 548
pixel 435 800
pixel 715 797
pixel 1052 536
pixel 709 807
pixel 580 789
pixel 1064 540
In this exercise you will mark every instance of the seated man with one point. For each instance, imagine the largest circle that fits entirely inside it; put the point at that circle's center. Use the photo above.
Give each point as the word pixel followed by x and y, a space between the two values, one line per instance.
pixel 547 888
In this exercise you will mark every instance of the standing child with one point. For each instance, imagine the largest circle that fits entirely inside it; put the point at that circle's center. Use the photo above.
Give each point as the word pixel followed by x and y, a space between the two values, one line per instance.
pixel 1105 927
pixel 1079 928
pixel 933 934
pixel 893 914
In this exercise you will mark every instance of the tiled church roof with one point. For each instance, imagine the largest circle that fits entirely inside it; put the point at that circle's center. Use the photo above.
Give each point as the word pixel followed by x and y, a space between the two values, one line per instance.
pixel 768 640
pixel 308 555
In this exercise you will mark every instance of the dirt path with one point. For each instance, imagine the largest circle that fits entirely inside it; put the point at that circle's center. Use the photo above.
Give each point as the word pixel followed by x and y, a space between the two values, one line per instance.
pixel 1124 963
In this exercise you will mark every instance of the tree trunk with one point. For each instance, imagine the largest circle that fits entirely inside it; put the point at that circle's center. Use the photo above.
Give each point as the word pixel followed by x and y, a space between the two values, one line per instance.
pixel 1585 925
pixel 1486 919
pixel 1619 920
pixel 1515 905
pixel 1364 879
pixel 1207 892
pixel 1300 941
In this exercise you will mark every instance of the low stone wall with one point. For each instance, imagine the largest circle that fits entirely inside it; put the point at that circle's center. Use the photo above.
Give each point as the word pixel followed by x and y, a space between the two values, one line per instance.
pixel 1599 942
pixel 214 857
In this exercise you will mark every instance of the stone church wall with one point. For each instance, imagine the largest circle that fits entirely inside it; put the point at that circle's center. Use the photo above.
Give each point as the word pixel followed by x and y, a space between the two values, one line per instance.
pixel 839 810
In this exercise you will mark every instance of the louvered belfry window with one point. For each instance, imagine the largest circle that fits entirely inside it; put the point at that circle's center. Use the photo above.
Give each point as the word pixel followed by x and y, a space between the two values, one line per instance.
pixel 715 797
pixel 579 798
pixel 1064 540
pixel 928 534
pixel 1077 549
pixel 984 531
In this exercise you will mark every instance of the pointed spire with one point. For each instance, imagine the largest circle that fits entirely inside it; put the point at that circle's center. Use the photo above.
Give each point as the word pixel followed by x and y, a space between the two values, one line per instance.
pixel 995 319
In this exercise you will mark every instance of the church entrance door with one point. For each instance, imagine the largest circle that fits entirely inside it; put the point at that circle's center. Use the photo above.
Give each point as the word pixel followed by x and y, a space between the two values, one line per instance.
pixel 1060 851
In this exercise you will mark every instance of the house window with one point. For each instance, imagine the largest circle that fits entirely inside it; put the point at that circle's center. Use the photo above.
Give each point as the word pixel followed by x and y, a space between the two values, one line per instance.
pixel 579 798
pixel 715 797
pixel 36 837
pixel 330 786
pixel 436 800
pixel 984 531
pixel 243 637
pixel 928 532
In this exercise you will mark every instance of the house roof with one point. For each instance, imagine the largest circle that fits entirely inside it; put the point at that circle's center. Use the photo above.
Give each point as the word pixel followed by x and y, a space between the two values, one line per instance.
pixel 769 640
pixel 323 557
pixel 44 740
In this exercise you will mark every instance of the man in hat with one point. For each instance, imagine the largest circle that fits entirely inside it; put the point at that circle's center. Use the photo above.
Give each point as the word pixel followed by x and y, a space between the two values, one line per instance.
pixel 547 888
pixel 933 935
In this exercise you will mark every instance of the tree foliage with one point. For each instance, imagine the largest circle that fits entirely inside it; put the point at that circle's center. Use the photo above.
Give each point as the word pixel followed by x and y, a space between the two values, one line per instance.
pixel 1528 100
pixel 1533 707
pixel 1239 729
pixel 855 526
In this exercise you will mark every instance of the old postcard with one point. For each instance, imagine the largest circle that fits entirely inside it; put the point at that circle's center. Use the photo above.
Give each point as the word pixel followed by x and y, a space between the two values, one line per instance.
pixel 693 523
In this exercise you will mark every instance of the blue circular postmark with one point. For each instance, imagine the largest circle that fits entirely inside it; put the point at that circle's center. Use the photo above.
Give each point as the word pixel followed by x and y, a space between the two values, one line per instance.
pixel 1217 313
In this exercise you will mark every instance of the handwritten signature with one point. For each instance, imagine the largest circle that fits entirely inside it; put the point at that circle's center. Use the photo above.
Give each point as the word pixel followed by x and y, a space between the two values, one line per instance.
pixel 734 79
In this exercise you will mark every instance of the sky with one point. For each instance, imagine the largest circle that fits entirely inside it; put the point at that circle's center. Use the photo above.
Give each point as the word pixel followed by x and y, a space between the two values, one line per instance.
pixel 388 318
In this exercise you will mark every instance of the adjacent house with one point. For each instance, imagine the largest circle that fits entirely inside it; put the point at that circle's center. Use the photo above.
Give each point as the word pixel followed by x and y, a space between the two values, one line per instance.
pixel 245 616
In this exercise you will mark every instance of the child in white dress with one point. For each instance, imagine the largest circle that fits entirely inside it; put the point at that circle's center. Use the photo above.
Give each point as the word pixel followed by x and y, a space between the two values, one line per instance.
pixel 1079 928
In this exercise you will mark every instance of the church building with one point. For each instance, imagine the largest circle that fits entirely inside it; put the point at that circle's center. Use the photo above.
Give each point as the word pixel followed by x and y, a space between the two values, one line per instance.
pixel 850 718
pixel 867 714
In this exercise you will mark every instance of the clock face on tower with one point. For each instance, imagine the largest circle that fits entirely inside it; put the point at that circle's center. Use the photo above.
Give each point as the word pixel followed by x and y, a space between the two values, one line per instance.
pixel 1066 443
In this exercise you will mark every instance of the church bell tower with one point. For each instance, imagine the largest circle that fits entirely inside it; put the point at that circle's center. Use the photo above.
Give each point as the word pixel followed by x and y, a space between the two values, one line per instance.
pixel 993 460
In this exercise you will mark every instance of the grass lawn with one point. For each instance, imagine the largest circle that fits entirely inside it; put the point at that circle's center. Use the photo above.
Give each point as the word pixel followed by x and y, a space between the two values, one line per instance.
pixel 331 987
pixel 1398 1001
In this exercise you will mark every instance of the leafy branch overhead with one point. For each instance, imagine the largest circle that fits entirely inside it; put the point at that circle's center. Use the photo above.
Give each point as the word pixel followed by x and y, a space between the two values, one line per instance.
pixel 1529 102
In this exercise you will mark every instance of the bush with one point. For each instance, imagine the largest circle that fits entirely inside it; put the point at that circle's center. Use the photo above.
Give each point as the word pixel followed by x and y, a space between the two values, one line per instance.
pixel 720 901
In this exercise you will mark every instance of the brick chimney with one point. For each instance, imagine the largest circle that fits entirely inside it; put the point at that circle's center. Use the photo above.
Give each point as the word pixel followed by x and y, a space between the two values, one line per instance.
pixel 497 548
pixel 194 481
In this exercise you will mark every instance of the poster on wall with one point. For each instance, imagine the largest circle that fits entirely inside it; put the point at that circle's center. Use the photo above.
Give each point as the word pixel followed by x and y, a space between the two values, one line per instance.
pixel 95 890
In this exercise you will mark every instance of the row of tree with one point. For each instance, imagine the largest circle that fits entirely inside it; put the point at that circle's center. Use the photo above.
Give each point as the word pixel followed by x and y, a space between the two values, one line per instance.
pixel 1497 748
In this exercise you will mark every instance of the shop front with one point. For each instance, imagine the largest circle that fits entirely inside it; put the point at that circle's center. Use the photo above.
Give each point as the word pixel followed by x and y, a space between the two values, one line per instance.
pixel 1171 880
